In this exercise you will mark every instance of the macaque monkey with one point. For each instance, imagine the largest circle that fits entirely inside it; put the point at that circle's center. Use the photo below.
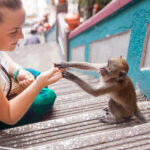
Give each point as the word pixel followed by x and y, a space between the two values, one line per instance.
pixel 114 82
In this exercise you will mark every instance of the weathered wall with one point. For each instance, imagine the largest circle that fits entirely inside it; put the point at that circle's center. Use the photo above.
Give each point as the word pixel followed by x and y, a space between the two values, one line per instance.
pixel 118 46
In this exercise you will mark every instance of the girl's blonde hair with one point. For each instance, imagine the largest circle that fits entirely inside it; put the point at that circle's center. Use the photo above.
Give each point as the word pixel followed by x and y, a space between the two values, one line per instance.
pixel 9 4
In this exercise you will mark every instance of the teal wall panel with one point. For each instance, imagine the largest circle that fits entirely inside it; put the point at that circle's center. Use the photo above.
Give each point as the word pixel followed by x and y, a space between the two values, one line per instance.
pixel 51 35
pixel 134 17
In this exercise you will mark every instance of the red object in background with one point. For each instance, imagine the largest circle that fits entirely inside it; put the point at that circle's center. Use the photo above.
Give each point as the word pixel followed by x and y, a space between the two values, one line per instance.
pixel 41 22
pixel 95 7
pixel 46 26
pixel 73 20
pixel 45 18
pixel 62 1
pixel 46 15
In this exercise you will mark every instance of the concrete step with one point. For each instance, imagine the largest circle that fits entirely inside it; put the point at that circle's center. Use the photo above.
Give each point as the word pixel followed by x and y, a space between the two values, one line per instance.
pixel 39 56
pixel 77 107
pixel 58 132
pixel 73 124
pixel 131 138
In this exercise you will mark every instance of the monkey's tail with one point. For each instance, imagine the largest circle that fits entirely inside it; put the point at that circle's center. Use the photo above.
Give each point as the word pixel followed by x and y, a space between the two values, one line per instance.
pixel 139 116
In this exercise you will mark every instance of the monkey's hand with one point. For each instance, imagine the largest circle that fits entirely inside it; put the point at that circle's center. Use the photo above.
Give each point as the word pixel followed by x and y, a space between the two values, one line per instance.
pixel 60 65
pixel 68 75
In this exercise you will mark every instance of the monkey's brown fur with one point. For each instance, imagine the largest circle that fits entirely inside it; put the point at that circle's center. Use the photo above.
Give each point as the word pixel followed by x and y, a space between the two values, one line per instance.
pixel 114 82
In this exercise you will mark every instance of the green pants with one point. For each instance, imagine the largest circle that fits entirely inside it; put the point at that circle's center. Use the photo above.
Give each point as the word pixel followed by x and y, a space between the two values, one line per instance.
pixel 41 105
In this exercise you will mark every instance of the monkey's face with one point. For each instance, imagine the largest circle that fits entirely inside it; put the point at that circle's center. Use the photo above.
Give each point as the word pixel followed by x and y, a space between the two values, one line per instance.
pixel 116 68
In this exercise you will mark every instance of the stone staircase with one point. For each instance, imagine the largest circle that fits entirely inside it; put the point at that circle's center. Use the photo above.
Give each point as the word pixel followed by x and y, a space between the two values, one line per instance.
pixel 38 56
pixel 73 123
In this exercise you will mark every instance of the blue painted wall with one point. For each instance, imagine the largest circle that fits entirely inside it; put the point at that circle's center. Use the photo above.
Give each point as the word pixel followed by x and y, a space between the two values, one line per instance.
pixel 134 17
pixel 51 35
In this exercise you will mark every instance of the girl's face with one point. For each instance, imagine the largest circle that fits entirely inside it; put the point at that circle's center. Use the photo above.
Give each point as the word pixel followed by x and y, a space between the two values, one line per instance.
pixel 11 28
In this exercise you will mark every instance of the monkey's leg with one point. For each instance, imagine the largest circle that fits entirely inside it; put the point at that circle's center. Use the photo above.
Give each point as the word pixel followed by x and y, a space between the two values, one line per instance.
pixel 120 115
pixel 118 111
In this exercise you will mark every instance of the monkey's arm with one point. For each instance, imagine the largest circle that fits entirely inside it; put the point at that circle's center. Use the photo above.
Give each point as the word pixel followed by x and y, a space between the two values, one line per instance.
pixel 81 65
pixel 95 91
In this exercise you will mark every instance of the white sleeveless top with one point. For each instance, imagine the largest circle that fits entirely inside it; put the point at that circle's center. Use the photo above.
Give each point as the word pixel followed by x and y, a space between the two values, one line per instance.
pixel 4 80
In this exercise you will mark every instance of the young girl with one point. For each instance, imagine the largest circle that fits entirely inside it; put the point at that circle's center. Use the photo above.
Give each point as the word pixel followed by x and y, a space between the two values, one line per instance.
pixel 35 100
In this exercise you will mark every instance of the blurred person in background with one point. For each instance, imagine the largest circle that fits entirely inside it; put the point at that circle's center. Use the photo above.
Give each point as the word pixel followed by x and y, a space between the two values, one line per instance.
pixel 32 39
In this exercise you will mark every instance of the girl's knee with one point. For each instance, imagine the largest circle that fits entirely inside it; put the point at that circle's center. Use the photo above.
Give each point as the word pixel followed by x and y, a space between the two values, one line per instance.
pixel 46 97
pixel 51 96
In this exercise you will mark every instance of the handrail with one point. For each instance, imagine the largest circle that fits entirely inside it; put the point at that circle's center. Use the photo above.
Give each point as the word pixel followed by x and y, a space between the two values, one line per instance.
pixel 112 7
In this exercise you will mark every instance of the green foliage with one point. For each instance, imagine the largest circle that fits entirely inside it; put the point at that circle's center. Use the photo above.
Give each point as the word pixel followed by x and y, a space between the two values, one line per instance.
pixel 85 7
pixel 101 3
pixel 83 3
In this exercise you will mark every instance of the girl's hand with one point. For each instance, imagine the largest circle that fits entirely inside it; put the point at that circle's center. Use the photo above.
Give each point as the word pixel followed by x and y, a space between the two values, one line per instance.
pixel 49 77
pixel 25 78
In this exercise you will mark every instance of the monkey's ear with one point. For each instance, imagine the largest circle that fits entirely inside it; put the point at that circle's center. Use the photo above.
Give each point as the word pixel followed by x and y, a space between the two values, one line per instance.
pixel 122 75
